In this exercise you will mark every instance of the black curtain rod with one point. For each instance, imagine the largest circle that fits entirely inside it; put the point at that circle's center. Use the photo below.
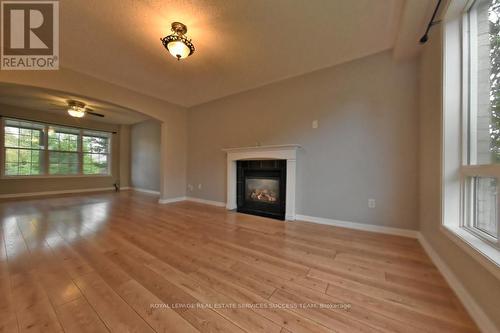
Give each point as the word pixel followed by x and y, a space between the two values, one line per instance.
pixel 56 124
pixel 425 37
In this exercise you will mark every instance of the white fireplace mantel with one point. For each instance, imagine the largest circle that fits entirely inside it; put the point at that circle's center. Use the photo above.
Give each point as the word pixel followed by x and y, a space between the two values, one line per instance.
pixel 277 152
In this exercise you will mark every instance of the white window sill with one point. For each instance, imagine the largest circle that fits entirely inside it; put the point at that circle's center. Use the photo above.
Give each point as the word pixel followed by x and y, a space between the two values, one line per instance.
pixel 487 255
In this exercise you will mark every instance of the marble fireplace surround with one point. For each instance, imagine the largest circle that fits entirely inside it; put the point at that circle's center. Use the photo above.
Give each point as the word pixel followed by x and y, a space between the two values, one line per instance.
pixel 278 152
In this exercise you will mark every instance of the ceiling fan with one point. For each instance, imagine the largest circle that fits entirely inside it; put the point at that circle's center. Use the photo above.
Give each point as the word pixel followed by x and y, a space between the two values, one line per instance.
pixel 78 109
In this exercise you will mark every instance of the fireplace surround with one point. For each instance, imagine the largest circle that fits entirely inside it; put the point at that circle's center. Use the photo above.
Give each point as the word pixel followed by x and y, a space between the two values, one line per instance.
pixel 278 152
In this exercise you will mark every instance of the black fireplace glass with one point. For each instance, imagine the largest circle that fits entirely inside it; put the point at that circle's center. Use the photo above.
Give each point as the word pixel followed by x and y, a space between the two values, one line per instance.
pixel 261 188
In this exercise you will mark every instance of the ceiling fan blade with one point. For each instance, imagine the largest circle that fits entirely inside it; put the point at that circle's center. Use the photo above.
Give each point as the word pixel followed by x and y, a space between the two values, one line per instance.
pixel 92 113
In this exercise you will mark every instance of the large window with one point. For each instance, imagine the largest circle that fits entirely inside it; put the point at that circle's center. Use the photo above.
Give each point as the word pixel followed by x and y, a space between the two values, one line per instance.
pixel 481 153
pixel 35 149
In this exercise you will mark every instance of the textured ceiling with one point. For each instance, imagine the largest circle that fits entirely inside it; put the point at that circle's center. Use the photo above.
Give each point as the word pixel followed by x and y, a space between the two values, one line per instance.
pixel 56 102
pixel 240 44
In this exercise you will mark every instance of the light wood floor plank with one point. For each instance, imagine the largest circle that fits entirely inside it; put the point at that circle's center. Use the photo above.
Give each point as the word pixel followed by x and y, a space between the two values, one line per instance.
pixel 33 308
pixel 243 291
pixel 97 263
pixel 161 319
pixel 78 316
pixel 112 309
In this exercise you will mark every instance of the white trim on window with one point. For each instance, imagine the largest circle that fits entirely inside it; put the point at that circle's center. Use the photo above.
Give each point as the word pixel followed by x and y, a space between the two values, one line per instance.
pixel 452 126
pixel 456 138
pixel 482 252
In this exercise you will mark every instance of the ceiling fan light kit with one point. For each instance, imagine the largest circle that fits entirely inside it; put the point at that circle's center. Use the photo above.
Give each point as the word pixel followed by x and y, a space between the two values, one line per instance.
pixel 76 109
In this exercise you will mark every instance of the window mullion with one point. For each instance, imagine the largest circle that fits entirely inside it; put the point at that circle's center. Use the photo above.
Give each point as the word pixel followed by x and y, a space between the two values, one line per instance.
pixel 492 170
pixel 80 152
pixel 46 161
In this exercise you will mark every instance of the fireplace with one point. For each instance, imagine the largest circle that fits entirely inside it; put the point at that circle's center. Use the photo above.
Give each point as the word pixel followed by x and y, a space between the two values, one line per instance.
pixel 261 188
pixel 287 153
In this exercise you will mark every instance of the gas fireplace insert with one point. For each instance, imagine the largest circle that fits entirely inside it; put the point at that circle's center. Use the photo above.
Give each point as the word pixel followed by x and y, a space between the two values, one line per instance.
pixel 261 188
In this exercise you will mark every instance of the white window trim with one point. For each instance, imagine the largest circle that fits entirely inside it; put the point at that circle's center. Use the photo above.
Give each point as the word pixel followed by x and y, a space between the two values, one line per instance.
pixel 80 173
pixel 452 153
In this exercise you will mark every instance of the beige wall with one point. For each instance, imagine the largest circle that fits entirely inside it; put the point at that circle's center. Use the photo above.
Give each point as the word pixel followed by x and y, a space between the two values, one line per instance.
pixel 14 186
pixel 481 284
pixel 145 155
pixel 365 146
pixel 173 117
pixel 125 156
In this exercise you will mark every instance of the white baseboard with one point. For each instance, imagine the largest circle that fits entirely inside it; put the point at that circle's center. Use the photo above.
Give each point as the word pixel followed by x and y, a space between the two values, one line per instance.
pixel 144 190
pixel 125 188
pixel 45 193
pixel 207 202
pixel 482 320
pixel 203 201
pixel 171 200
pixel 358 226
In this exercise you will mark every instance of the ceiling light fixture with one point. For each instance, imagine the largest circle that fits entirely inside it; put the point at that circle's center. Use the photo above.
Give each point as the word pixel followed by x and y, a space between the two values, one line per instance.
pixel 76 109
pixel 177 44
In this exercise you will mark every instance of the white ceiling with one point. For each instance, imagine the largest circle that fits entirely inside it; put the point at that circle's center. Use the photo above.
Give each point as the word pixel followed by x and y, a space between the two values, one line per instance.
pixel 240 44
pixel 43 100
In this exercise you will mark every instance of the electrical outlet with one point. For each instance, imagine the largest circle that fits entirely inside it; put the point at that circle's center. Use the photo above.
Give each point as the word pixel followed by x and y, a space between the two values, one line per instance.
pixel 199 186
pixel 315 124
pixel 190 187
pixel 371 203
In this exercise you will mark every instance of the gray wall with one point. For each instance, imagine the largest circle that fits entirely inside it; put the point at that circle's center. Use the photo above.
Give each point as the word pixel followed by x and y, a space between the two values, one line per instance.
pixel 145 148
pixel 125 155
pixel 479 282
pixel 32 185
pixel 365 146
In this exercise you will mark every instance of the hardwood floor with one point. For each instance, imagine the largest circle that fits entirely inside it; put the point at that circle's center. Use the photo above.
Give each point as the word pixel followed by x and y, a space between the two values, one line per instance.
pixel 112 262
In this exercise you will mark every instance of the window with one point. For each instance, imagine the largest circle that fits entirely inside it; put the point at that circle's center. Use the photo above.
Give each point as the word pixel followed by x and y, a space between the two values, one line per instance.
pixel 95 153
pixel 34 149
pixel 485 201
pixel 63 151
pixel 23 148
pixel 481 154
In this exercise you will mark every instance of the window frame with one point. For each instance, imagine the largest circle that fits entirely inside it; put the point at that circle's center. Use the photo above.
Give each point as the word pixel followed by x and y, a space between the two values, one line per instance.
pixel 83 153
pixel 46 152
pixel 19 148
pixel 49 151
pixel 454 145
pixel 469 171
pixel 467 217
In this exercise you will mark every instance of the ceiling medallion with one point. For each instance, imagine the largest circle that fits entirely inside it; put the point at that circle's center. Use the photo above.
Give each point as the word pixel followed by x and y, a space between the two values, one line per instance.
pixel 177 44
